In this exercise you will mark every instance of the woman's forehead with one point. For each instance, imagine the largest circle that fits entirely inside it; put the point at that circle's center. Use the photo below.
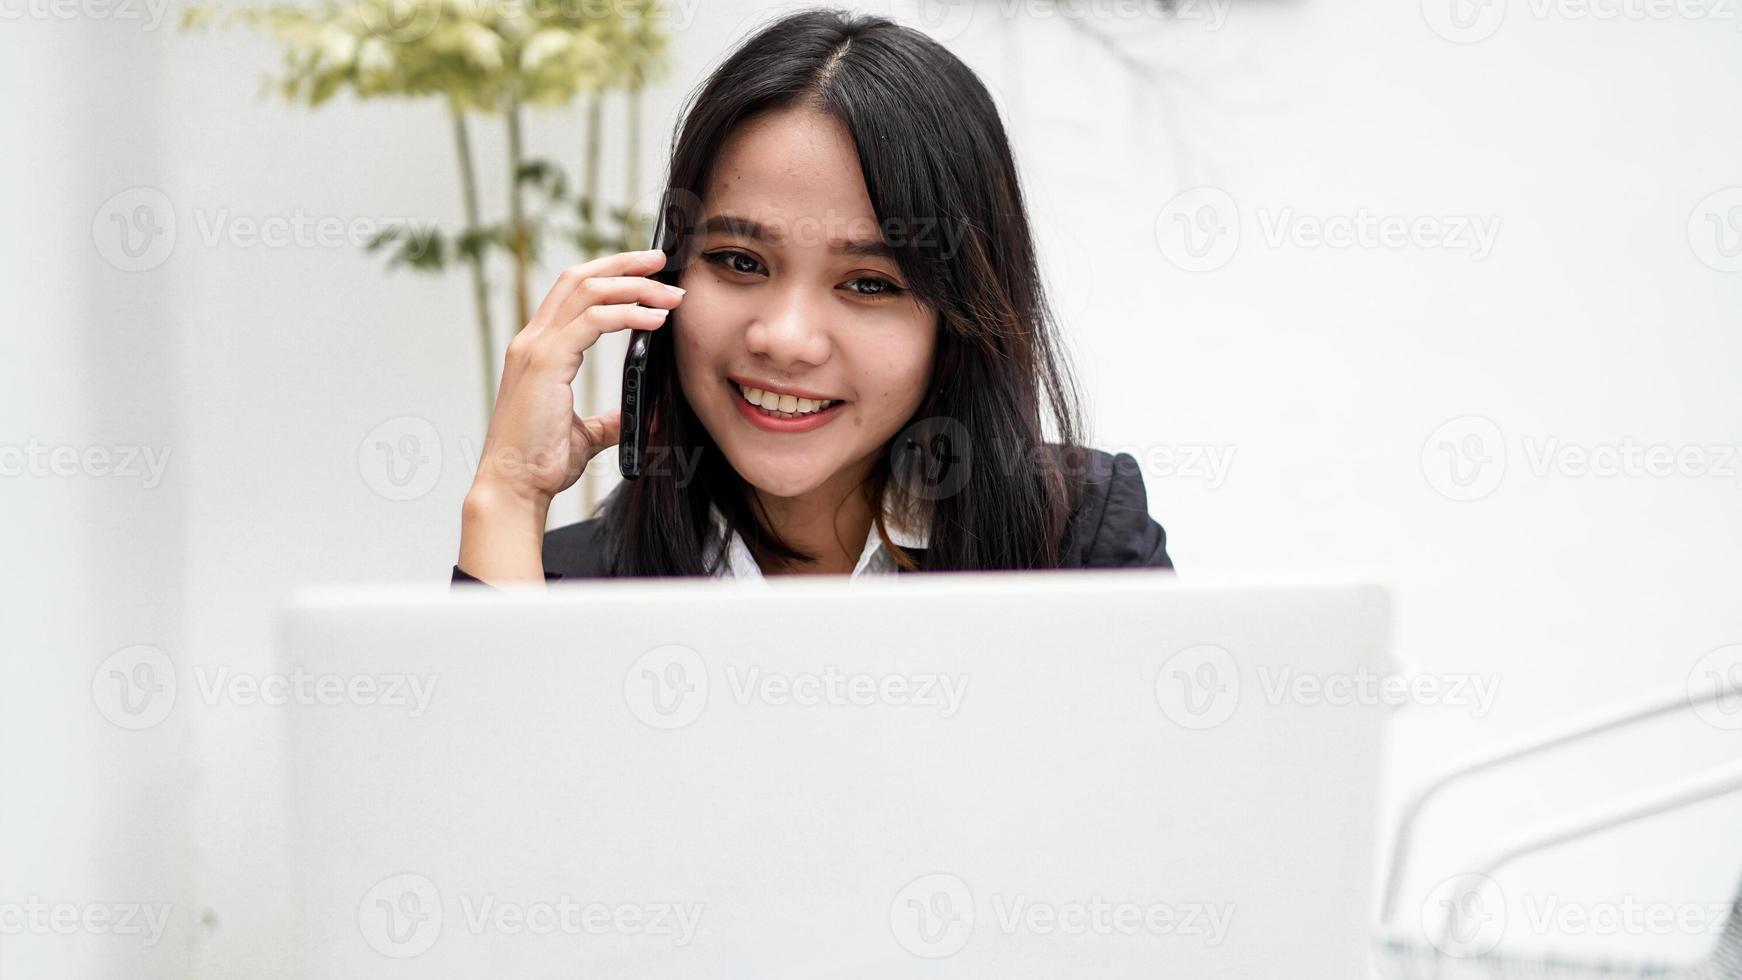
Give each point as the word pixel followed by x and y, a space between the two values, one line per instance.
pixel 788 169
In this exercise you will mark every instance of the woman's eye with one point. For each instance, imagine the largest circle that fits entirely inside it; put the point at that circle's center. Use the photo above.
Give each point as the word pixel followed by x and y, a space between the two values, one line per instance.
pixel 884 286
pixel 726 260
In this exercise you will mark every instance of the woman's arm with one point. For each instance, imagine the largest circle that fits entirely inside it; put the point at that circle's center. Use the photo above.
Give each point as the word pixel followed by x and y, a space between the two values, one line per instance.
pixel 536 445
pixel 501 537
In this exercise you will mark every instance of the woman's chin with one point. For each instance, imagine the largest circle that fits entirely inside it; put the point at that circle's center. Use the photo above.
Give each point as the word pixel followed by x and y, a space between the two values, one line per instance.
pixel 782 484
pixel 777 475
pixel 778 465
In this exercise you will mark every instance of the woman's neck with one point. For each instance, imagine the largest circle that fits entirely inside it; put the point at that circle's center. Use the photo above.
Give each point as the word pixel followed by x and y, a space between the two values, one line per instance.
pixel 830 522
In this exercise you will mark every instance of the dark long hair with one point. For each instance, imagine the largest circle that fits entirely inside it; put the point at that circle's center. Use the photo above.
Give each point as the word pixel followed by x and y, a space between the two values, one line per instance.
pixel 933 153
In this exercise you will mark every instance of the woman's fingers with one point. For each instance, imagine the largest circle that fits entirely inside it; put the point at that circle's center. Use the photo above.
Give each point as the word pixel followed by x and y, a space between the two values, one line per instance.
pixel 571 279
pixel 616 290
pixel 585 329
pixel 602 431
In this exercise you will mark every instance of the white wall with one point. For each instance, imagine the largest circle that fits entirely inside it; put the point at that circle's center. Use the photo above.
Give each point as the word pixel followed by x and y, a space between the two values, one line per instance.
pixel 92 810
pixel 1322 371
pixel 1593 321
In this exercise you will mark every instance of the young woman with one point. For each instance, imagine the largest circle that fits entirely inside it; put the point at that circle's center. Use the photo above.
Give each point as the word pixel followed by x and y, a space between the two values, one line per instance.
pixel 855 377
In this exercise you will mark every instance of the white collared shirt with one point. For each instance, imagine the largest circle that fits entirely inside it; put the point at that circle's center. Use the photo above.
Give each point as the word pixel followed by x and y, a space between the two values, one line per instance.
pixel 874 559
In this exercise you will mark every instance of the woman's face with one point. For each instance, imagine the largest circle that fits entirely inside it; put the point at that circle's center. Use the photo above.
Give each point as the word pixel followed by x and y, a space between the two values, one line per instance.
pixel 779 298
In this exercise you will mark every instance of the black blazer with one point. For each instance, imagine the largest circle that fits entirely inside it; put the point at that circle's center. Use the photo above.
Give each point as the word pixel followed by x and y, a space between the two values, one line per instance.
pixel 1111 528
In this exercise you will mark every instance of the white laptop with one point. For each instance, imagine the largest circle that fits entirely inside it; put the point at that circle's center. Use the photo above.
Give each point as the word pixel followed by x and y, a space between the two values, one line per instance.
pixel 1039 775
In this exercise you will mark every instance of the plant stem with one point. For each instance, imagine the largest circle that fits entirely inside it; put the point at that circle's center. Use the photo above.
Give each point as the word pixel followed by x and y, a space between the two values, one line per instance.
pixel 480 294
pixel 590 167
pixel 517 215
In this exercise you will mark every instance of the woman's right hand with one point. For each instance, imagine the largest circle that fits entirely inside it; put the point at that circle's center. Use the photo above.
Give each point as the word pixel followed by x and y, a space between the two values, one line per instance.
pixel 537 445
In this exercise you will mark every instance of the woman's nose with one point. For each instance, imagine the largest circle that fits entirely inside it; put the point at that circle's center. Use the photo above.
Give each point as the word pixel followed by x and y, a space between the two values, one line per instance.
pixel 794 331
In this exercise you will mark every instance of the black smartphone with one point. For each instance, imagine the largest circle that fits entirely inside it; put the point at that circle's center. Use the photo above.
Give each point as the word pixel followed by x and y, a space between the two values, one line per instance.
pixel 637 391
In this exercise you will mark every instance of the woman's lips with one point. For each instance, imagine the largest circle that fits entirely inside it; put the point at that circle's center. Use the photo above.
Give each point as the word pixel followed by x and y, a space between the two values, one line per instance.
pixel 774 423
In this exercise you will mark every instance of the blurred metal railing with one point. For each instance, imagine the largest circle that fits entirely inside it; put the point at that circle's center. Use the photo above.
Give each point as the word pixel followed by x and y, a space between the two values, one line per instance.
pixel 1449 952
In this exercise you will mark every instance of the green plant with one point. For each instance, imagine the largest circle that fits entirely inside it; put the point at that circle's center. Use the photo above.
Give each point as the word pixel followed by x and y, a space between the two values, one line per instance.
pixel 481 57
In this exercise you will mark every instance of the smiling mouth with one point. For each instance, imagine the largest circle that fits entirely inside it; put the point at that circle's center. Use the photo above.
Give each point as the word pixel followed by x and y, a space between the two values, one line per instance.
pixel 783 406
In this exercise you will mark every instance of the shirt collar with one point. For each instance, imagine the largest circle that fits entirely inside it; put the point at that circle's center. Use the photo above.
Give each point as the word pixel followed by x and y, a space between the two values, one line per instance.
pixel 908 531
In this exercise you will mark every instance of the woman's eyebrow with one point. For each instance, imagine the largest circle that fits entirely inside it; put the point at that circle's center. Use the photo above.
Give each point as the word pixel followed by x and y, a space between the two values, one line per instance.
pixel 742 227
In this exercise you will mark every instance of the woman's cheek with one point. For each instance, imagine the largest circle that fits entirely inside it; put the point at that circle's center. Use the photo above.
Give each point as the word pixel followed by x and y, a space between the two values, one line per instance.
pixel 690 348
pixel 695 328
pixel 909 374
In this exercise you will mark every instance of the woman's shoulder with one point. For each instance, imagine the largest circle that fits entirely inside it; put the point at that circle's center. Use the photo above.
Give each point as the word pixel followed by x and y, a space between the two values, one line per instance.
pixel 1110 526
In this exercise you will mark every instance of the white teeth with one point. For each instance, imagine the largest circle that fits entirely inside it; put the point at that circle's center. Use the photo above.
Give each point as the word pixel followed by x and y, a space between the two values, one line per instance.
pixel 790 405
